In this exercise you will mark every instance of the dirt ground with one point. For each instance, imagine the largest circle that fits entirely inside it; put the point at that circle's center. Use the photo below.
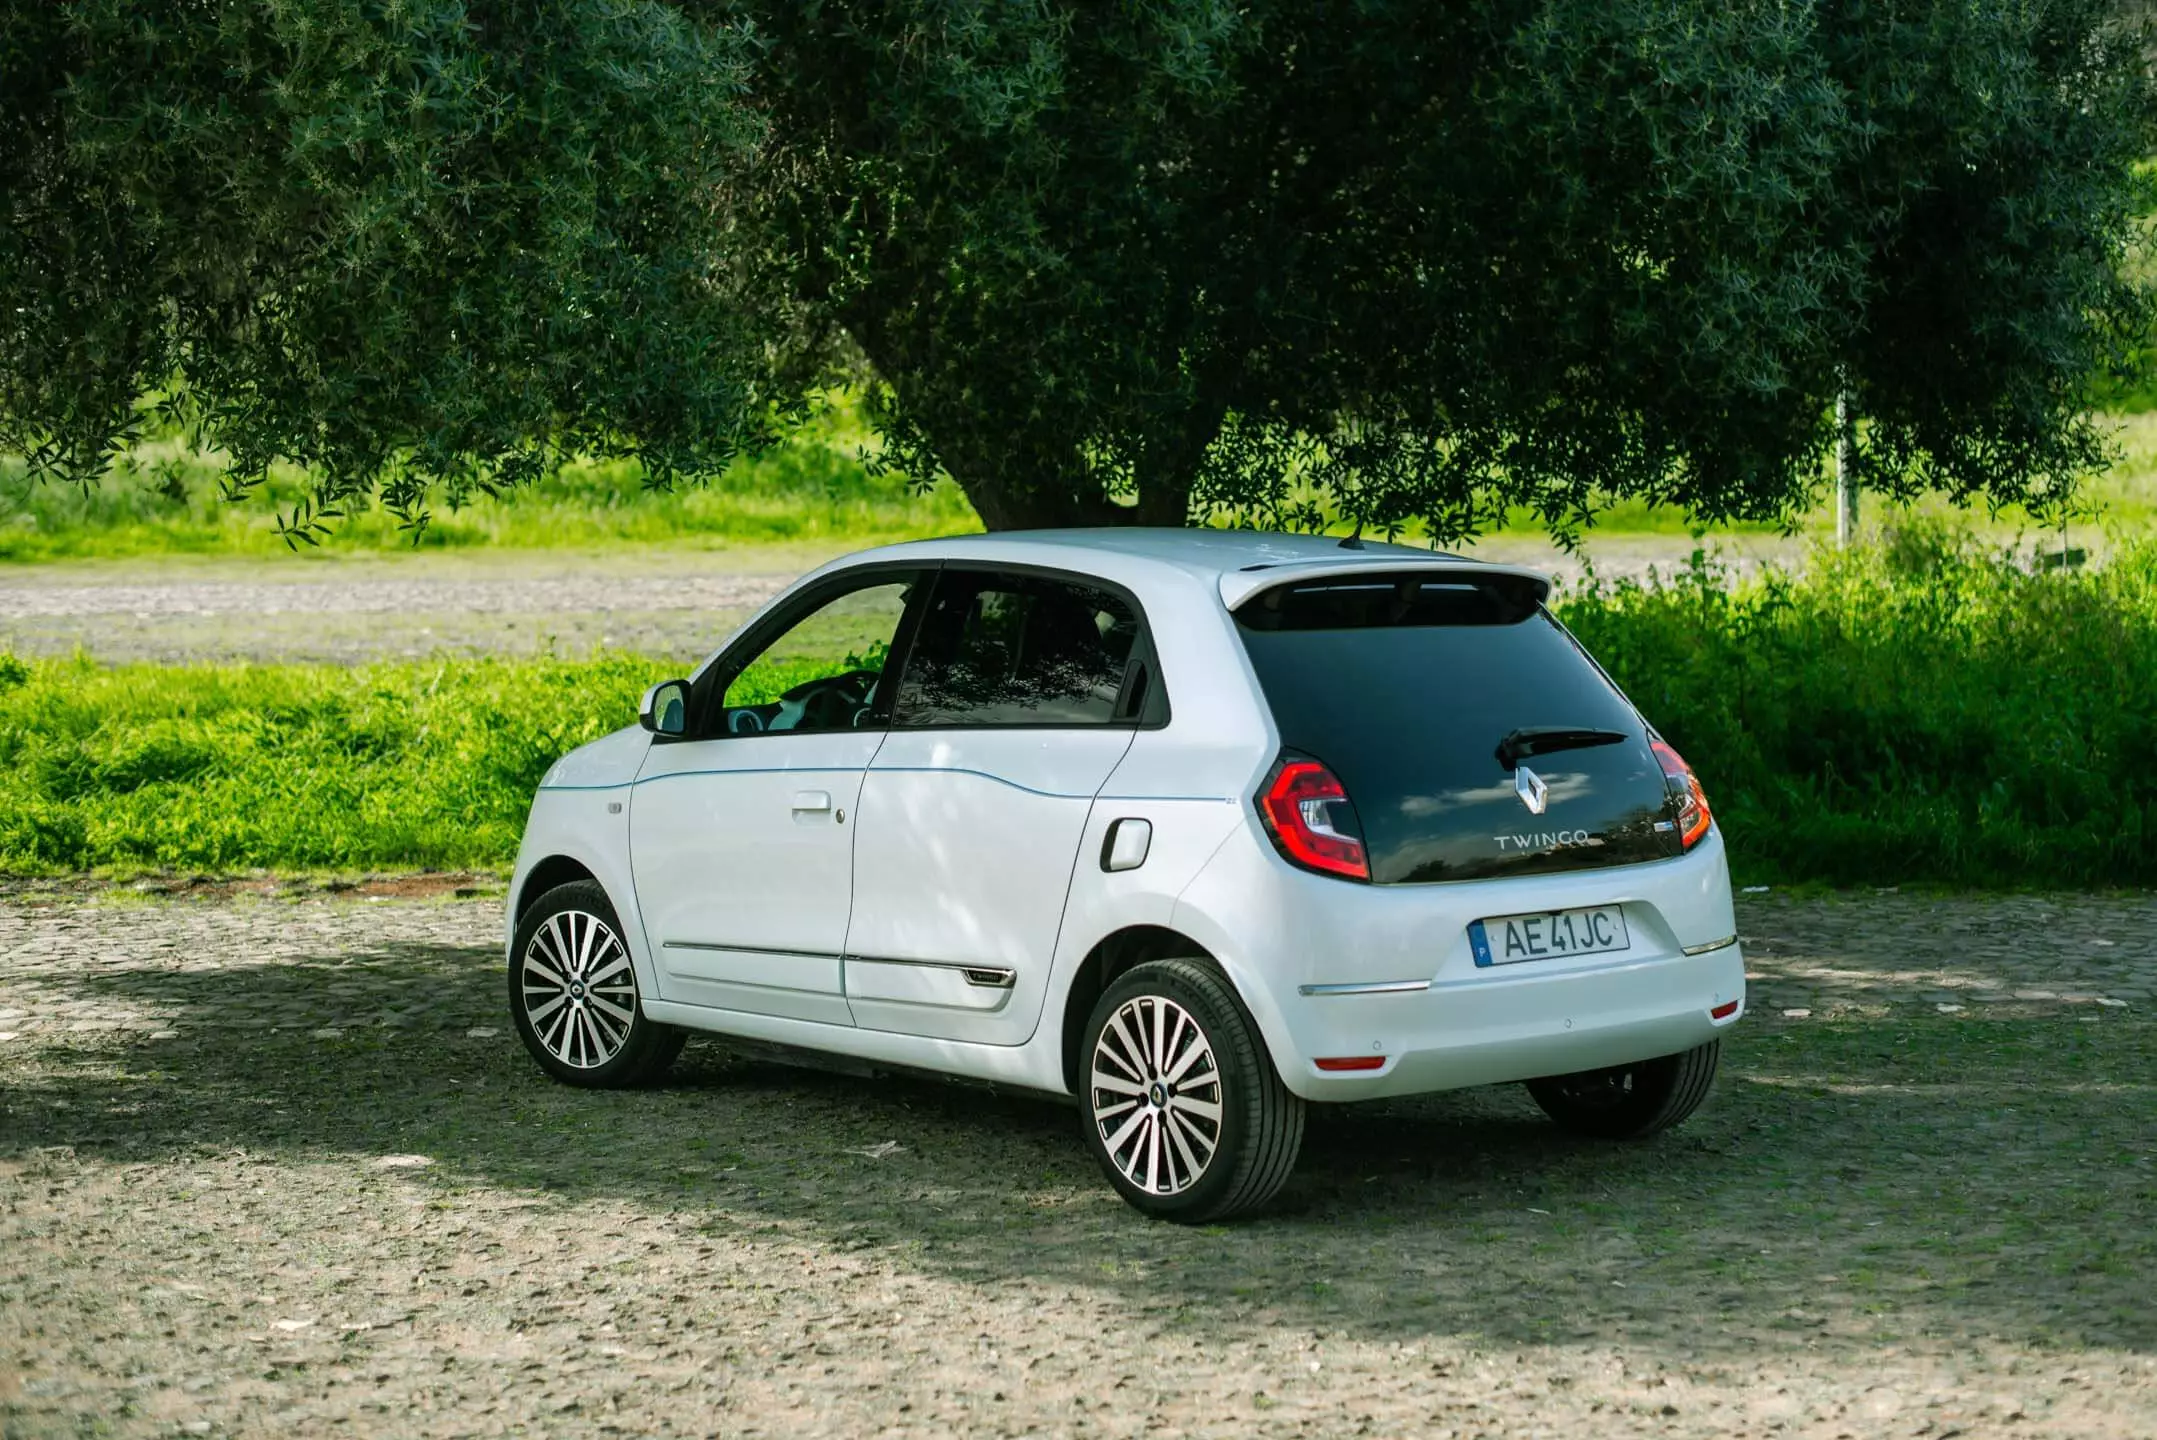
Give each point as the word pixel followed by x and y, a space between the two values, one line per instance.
pixel 275 1166
pixel 346 608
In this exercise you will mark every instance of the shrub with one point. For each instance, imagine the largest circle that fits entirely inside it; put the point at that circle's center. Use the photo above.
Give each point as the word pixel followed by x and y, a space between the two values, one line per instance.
pixel 1922 710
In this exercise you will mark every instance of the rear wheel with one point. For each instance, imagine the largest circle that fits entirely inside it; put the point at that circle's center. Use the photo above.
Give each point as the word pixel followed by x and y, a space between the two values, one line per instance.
pixel 1182 1105
pixel 1630 1102
pixel 573 994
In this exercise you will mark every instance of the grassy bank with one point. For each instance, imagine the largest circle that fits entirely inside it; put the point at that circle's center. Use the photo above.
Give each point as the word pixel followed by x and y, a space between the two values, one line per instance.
pixel 1918 713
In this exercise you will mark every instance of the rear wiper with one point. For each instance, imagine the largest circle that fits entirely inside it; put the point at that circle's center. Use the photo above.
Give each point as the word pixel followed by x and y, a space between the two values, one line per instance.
pixel 1542 739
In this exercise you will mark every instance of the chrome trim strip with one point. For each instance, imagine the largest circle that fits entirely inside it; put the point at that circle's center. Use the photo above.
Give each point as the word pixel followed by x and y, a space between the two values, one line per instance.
pixel 989 977
pixel 987 1009
pixel 1723 944
pixel 749 985
pixel 748 949
pixel 1533 972
pixel 1374 987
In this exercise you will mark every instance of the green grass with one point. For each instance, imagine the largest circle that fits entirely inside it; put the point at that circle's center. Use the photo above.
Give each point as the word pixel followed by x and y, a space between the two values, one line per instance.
pixel 300 767
pixel 218 768
pixel 1920 712
pixel 162 499
pixel 1924 712
pixel 2123 500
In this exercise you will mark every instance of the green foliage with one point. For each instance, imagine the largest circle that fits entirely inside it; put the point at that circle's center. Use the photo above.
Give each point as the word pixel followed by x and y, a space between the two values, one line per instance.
pixel 1920 711
pixel 409 242
pixel 1414 263
pixel 2133 391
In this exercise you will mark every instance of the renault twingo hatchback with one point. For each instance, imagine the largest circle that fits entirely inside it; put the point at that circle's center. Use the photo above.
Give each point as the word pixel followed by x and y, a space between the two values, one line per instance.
pixel 1197 827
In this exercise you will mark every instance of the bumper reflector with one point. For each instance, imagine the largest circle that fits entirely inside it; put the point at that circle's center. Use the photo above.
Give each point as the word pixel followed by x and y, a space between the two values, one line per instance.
pixel 1723 1012
pixel 1352 1062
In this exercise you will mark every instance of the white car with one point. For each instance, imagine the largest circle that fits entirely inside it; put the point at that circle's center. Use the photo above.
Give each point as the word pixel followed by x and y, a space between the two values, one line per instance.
pixel 1197 827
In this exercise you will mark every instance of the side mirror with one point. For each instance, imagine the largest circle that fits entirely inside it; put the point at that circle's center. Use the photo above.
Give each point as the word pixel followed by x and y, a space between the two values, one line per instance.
pixel 665 708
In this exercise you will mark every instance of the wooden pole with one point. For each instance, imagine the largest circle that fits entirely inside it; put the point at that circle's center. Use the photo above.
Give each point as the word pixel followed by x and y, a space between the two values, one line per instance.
pixel 1845 473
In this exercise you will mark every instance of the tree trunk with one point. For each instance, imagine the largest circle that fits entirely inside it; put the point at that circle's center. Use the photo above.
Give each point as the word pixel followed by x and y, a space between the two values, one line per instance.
pixel 1169 464
pixel 1020 477
pixel 1163 500
pixel 1022 486
pixel 1072 500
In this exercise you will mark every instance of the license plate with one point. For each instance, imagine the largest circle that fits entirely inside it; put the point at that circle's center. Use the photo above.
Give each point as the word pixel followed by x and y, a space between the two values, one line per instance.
pixel 1510 939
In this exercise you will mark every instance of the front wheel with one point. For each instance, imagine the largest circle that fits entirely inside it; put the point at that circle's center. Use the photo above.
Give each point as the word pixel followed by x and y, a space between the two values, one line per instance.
pixel 573 994
pixel 1181 1102
pixel 1630 1102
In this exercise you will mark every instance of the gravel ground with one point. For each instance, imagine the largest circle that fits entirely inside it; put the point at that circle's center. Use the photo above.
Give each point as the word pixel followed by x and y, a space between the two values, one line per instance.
pixel 346 609
pixel 350 609
pixel 276 1167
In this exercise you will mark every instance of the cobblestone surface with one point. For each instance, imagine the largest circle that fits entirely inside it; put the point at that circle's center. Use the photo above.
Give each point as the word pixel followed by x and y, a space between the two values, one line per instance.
pixel 278 1167
pixel 381 963
pixel 1885 949
pixel 1805 958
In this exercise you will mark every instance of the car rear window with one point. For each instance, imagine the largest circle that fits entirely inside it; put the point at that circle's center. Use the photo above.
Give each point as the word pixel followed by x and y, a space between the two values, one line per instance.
pixel 1388 602
pixel 1404 685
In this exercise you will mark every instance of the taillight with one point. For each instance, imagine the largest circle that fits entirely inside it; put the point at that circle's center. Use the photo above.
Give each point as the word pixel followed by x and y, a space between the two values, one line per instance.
pixel 1693 816
pixel 1312 821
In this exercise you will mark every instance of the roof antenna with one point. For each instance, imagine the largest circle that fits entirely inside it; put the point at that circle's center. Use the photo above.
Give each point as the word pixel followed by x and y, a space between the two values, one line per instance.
pixel 1355 541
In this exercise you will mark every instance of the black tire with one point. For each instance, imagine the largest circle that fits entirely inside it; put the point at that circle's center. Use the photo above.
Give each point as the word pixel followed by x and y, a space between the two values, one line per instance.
pixel 1630 1102
pixel 1259 1124
pixel 579 1037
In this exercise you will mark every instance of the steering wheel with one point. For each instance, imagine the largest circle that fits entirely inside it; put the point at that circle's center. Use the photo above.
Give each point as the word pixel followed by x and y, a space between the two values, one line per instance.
pixel 832 701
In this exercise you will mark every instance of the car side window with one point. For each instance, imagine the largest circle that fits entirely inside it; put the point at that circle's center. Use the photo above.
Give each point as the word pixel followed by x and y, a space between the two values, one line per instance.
pixel 1017 650
pixel 821 672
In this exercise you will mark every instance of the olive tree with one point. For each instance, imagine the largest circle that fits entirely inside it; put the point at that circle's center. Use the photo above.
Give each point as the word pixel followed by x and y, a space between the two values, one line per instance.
pixel 1410 262
pixel 1393 261
pixel 413 244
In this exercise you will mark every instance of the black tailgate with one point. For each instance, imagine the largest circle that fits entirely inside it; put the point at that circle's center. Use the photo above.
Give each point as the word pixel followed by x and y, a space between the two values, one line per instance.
pixel 1405 687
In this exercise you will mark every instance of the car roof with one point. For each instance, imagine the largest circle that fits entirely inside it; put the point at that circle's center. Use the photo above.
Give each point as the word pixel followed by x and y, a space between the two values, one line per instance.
pixel 1201 551
pixel 1240 562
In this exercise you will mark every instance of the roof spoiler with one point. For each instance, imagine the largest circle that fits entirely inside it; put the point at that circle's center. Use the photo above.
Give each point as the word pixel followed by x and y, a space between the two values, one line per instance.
pixel 1239 586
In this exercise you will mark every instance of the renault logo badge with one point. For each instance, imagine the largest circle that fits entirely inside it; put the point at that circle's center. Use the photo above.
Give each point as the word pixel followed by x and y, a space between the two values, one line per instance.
pixel 1530 787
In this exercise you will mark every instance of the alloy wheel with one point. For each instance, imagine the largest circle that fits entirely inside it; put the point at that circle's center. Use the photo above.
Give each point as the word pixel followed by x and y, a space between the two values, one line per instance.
pixel 1155 1095
pixel 579 991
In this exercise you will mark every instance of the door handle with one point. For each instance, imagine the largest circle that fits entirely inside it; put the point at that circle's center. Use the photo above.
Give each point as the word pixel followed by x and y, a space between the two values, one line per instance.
pixel 811 800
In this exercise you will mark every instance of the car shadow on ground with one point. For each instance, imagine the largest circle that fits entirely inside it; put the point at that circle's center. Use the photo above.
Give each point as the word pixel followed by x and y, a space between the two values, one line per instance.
pixel 1963 1181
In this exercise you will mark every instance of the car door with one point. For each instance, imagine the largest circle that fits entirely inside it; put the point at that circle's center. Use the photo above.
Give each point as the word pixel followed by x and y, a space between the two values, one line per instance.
pixel 741 834
pixel 1016 704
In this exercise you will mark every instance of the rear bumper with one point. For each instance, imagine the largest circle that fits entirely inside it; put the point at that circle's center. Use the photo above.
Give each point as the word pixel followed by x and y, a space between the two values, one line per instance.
pixel 1513 1026
pixel 1333 970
